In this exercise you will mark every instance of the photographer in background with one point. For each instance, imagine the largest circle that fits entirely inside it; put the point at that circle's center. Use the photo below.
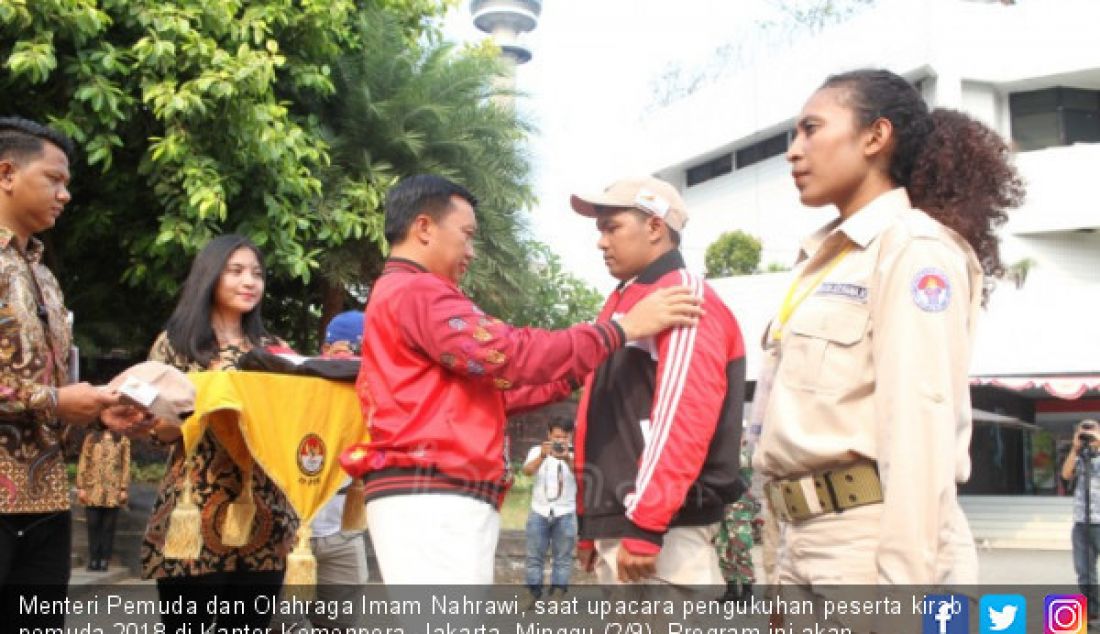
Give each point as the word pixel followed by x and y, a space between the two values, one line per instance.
pixel 553 518
pixel 1082 466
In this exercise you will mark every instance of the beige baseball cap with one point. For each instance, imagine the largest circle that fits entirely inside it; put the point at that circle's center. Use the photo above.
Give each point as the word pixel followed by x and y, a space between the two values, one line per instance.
pixel 648 194
pixel 159 388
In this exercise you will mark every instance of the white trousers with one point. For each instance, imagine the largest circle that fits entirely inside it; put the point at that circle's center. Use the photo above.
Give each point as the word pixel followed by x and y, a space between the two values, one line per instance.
pixel 688 558
pixel 433 538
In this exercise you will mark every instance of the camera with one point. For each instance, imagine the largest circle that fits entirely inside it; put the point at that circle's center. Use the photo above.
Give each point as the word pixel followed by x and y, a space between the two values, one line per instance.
pixel 1086 432
pixel 560 447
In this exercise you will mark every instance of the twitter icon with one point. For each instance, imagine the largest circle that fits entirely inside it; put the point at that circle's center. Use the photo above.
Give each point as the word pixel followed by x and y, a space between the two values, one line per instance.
pixel 1003 614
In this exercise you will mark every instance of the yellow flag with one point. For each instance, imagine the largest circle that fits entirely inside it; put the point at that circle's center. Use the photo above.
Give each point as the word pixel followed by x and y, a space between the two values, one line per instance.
pixel 294 427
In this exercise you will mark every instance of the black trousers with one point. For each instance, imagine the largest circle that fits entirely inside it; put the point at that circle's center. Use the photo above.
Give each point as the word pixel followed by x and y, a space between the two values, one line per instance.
pixel 35 559
pixel 241 585
pixel 101 531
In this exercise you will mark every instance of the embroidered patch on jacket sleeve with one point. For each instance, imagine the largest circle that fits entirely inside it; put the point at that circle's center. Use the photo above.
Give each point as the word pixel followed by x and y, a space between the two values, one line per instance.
pixel 931 290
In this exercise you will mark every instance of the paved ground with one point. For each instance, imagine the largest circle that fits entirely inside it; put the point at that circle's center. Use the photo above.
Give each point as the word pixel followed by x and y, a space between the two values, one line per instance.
pixel 1026 567
pixel 1010 567
pixel 1032 567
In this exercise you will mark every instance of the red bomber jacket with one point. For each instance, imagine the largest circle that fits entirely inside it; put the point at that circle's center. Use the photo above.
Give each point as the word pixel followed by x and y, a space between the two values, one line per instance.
pixel 438 377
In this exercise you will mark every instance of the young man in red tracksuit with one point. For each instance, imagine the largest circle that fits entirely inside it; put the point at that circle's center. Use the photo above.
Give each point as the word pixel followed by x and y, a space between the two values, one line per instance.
pixel 659 428
pixel 437 379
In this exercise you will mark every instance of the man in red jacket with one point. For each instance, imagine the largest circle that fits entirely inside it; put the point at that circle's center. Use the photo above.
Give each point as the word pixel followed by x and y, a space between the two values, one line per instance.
pixel 660 459
pixel 437 379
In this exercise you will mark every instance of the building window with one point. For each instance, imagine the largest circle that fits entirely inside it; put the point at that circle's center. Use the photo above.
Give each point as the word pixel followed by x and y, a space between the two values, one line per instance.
pixel 762 150
pixel 1054 117
pixel 711 169
pixel 746 156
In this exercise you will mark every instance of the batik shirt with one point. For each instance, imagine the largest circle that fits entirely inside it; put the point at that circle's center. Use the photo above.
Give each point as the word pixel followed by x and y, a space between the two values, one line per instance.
pixel 34 355
pixel 103 471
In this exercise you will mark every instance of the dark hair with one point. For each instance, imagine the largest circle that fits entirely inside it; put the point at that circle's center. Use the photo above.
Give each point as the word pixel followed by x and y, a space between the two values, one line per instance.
pixel 189 328
pixel 954 167
pixel 21 139
pixel 420 194
pixel 559 423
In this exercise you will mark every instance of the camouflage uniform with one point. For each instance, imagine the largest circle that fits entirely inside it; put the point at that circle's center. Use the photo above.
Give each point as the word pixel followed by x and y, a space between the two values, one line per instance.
pixel 738 532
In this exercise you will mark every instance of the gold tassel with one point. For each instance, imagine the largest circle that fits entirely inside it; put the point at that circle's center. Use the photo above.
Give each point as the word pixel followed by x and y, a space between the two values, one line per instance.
pixel 237 525
pixel 301 567
pixel 184 538
pixel 354 518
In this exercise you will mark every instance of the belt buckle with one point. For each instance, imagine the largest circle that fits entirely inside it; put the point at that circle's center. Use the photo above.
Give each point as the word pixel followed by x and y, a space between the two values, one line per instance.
pixel 856 485
pixel 794 496
pixel 775 498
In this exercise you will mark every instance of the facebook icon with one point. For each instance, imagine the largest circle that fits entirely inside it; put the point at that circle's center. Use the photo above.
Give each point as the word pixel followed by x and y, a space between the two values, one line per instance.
pixel 945 614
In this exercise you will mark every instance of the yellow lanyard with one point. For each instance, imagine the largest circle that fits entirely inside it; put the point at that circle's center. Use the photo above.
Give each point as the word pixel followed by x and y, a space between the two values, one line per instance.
pixel 790 303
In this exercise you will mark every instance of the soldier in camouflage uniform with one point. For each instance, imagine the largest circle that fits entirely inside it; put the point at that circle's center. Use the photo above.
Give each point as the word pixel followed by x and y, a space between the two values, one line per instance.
pixel 740 529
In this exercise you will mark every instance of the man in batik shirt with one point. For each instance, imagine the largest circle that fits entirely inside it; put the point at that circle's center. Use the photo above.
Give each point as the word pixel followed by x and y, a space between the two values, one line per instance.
pixel 35 397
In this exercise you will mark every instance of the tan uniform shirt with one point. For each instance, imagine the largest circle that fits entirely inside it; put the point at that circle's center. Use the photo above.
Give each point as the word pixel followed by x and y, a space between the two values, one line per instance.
pixel 874 364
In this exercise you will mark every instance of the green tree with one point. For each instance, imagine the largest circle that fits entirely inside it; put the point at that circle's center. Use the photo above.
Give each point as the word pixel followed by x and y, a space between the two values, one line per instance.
pixel 183 115
pixel 556 298
pixel 733 253
pixel 425 107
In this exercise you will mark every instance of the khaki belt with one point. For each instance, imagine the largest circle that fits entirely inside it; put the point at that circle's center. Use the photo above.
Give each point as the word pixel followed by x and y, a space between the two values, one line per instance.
pixel 829 491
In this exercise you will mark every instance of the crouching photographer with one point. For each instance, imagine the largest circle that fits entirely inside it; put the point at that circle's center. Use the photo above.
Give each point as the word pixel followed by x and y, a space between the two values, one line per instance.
pixel 1082 467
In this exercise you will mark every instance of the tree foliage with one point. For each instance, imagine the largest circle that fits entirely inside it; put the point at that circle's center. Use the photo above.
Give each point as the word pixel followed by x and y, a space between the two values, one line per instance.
pixel 555 298
pixel 426 107
pixel 286 121
pixel 733 253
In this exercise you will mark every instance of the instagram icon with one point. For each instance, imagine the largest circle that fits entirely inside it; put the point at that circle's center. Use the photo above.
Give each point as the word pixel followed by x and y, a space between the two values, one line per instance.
pixel 1064 614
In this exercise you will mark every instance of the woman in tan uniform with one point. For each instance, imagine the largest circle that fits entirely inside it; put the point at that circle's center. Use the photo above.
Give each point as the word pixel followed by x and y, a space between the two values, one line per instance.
pixel 864 399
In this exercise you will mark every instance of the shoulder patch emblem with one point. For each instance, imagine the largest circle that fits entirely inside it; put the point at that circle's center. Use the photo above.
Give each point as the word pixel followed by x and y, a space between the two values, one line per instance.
pixel 931 290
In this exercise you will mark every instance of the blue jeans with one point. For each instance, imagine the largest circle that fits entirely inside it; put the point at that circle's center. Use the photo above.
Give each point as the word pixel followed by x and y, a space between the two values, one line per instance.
pixel 560 533
pixel 1086 544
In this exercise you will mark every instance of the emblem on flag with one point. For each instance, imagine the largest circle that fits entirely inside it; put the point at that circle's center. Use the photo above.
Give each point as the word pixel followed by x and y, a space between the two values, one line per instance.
pixel 311 454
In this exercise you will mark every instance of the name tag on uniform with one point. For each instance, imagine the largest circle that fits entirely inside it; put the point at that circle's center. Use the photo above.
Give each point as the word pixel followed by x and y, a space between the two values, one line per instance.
pixel 854 292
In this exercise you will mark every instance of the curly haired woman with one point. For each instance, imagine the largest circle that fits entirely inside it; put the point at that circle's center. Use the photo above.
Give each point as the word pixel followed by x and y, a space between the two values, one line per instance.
pixel 864 400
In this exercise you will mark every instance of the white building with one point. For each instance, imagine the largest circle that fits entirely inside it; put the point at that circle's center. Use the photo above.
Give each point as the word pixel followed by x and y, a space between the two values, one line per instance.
pixel 1032 72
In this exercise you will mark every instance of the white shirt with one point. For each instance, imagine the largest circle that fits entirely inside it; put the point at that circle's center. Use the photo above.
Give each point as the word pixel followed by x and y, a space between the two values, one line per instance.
pixel 555 489
pixel 329 517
